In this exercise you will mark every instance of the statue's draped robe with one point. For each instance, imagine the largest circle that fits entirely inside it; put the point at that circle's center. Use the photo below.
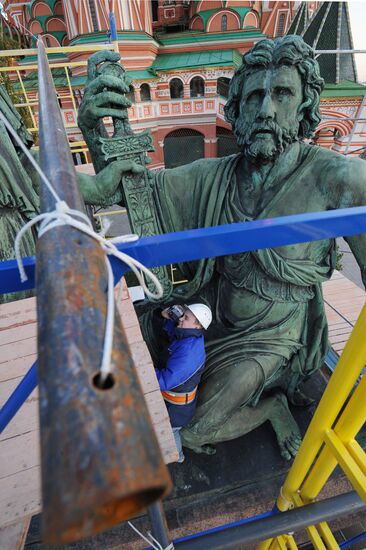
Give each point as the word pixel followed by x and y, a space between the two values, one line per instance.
pixel 265 306
pixel 18 198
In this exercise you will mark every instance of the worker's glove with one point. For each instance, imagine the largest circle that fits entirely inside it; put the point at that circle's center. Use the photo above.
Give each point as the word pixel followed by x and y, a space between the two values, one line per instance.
pixel 175 313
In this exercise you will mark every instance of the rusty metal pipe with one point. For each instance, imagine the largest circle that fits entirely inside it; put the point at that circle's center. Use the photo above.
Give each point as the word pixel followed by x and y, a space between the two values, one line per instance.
pixel 159 526
pixel 101 462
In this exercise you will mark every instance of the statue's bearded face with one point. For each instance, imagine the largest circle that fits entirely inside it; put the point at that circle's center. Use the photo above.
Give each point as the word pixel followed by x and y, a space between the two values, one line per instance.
pixel 270 112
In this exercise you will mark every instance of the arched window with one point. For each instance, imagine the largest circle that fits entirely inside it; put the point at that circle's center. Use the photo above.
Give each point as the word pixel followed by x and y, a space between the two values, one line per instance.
pixel 182 147
pixel 223 86
pixel 197 87
pixel 78 96
pixel 326 137
pixel 281 25
pixel 155 10
pixel 93 15
pixel 131 94
pixel 145 92
pixel 224 23
pixel 176 88
pixel 226 142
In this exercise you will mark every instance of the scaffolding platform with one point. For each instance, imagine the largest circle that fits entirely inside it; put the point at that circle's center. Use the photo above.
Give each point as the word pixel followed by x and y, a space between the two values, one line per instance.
pixel 241 480
pixel 343 303
pixel 20 495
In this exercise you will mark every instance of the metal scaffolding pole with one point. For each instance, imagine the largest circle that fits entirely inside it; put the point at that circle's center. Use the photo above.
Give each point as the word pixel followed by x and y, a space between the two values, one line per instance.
pixel 159 527
pixel 329 52
pixel 101 462
pixel 294 520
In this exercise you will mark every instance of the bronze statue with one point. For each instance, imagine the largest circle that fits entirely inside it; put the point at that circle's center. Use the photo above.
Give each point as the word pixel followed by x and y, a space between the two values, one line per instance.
pixel 269 330
pixel 19 200
pixel 18 197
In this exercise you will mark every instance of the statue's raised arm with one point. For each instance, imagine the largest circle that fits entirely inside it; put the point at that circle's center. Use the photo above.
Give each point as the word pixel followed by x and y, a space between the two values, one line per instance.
pixel 105 96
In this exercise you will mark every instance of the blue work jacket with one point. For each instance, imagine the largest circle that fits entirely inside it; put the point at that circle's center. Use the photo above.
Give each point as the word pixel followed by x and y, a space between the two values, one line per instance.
pixel 183 369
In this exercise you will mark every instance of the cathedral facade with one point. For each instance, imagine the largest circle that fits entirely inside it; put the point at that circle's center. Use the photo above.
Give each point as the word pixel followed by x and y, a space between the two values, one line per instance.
pixel 181 55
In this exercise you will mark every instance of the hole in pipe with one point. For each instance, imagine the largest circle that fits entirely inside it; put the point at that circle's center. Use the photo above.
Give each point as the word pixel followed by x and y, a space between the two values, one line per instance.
pixel 103 383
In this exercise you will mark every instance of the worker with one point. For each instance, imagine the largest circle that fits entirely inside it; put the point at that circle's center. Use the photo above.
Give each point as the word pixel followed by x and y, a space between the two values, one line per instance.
pixel 183 364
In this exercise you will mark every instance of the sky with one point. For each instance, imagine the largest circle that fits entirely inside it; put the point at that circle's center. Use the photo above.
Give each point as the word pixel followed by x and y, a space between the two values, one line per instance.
pixel 357 13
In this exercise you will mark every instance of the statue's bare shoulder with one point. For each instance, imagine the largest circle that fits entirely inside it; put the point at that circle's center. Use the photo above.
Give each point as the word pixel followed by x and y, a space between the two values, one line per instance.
pixel 342 178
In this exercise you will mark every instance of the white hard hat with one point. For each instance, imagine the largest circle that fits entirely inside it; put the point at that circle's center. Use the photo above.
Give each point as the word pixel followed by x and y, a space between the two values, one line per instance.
pixel 202 313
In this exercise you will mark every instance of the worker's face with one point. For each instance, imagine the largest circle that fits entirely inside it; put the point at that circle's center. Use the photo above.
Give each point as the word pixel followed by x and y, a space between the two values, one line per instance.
pixel 188 320
pixel 270 112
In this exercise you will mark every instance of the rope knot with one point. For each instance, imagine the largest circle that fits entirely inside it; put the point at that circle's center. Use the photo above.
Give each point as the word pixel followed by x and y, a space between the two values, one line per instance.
pixel 62 207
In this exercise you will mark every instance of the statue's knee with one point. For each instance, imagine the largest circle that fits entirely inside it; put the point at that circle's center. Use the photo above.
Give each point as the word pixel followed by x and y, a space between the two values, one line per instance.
pixel 250 375
pixel 222 393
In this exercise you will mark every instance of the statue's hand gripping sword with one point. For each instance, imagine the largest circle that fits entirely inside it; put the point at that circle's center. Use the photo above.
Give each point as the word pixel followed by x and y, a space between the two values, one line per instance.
pixel 135 190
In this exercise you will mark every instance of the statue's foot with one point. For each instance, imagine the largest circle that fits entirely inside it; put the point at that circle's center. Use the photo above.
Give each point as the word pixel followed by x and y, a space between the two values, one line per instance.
pixel 207 449
pixel 287 431
pixel 300 399
pixel 202 449
pixel 192 442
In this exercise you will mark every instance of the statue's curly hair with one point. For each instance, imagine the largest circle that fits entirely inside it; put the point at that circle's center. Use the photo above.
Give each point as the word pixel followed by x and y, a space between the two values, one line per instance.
pixel 290 50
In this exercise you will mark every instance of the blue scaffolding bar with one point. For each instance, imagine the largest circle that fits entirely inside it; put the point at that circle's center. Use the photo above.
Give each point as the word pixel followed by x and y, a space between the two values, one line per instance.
pixel 17 398
pixel 215 241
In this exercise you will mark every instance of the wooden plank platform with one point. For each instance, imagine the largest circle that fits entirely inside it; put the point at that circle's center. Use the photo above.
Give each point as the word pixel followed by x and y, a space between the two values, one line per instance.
pixel 19 448
pixel 19 443
pixel 343 303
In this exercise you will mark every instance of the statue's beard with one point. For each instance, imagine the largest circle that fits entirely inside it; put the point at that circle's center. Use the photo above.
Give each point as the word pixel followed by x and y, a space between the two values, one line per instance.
pixel 265 141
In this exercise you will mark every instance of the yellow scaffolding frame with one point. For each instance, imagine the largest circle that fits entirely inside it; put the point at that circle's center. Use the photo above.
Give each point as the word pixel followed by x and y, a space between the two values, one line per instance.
pixel 330 440
pixel 30 98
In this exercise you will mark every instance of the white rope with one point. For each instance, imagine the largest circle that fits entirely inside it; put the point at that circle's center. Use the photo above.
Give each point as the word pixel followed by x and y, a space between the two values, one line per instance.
pixel 151 540
pixel 63 215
